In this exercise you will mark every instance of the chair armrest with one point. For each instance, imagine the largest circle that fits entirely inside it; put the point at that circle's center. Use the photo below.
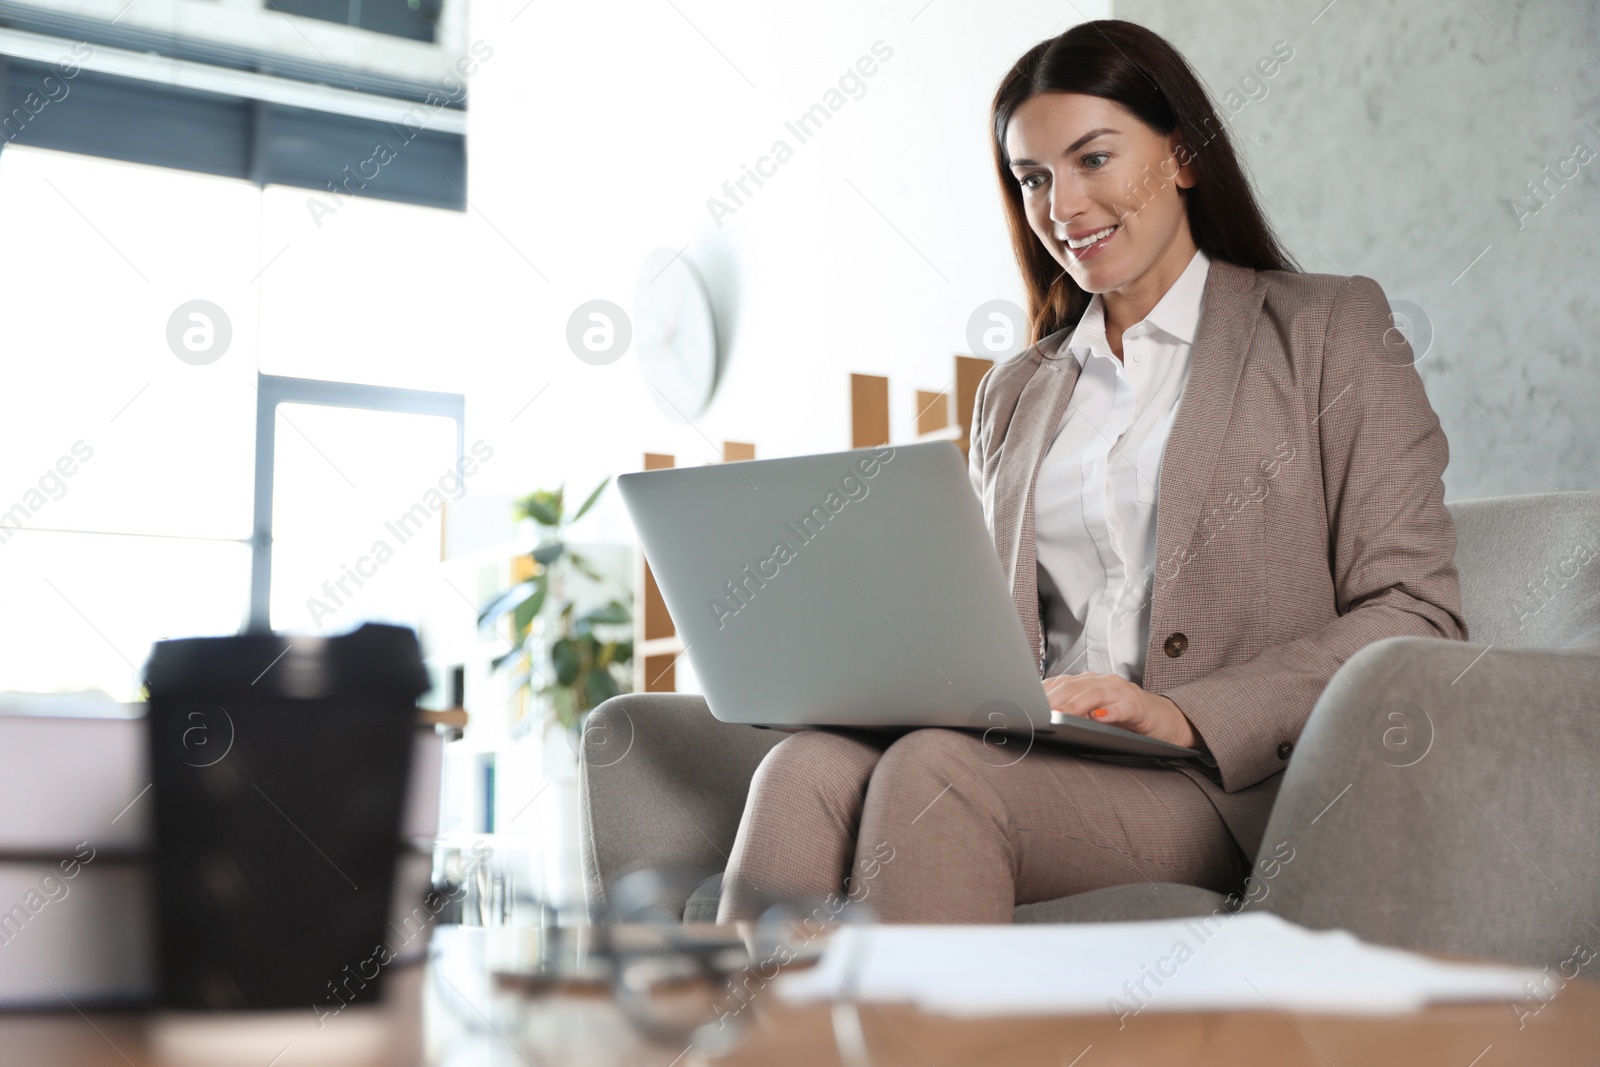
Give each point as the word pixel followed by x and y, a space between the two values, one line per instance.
pixel 662 784
pixel 1441 798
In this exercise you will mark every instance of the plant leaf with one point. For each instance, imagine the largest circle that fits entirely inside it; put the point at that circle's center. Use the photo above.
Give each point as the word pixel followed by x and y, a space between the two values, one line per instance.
pixel 587 504
pixel 583 564
pixel 565 701
pixel 599 687
pixel 567 659
pixel 543 507
pixel 612 614
pixel 506 601
pixel 549 551
pixel 527 610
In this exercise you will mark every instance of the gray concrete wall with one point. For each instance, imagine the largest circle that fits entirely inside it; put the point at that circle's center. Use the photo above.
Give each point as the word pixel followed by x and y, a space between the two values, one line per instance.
pixel 1402 140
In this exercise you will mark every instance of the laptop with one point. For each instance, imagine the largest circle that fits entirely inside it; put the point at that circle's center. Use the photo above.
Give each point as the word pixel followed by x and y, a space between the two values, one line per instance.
pixel 851 589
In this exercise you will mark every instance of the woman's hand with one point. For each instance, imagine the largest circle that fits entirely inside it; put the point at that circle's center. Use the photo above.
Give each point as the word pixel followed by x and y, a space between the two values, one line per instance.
pixel 1110 698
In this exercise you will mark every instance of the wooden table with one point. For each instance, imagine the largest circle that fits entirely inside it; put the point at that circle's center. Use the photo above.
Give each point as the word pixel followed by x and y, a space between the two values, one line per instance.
pixel 449 1012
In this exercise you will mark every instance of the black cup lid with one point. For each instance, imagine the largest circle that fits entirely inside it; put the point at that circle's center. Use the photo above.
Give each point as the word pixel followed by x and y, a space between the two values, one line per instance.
pixel 374 659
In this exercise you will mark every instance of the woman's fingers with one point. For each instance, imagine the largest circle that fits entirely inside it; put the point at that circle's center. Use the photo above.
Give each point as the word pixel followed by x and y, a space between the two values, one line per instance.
pixel 1084 694
pixel 1106 698
pixel 1110 698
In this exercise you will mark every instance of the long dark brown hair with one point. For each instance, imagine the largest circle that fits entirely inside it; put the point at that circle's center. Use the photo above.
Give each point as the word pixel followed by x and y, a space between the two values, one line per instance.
pixel 1125 63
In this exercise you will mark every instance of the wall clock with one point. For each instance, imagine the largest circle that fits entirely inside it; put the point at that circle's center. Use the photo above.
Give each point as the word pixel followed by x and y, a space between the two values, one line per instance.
pixel 675 335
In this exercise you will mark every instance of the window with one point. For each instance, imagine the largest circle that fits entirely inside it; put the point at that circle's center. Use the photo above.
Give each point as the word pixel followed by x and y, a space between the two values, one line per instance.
pixel 357 502
pixel 413 19
pixel 287 93
pixel 128 480
pixel 125 472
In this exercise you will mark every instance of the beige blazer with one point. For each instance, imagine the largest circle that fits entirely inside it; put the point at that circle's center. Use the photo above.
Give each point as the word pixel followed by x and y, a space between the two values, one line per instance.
pixel 1299 512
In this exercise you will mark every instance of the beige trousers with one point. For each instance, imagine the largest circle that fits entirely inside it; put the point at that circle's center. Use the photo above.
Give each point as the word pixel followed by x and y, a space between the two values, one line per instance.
pixel 943 826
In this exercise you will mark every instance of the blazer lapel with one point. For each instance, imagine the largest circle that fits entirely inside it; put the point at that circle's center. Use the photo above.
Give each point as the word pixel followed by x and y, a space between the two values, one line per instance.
pixel 1233 297
pixel 1038 416
pixel 1232 300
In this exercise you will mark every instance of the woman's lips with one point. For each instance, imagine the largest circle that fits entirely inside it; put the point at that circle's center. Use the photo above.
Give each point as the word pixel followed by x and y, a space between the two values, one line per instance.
pixel 1094 249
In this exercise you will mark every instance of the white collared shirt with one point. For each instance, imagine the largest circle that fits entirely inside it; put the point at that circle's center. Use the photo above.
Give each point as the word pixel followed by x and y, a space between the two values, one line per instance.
pixel 1095 501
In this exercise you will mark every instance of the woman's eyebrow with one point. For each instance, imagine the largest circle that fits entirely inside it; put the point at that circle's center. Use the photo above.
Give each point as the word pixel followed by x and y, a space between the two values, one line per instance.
pixel 1071 148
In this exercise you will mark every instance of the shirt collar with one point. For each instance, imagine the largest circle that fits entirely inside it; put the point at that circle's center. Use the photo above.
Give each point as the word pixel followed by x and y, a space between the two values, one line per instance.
pixel 1176 314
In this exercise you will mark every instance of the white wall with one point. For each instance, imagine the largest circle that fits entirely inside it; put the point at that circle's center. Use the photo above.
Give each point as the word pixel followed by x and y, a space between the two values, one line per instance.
pixel 1436 148
pixel 600 131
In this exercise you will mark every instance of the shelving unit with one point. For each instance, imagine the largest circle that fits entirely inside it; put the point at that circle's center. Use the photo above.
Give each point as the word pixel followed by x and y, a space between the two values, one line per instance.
pixel 869 410
pixel 656 644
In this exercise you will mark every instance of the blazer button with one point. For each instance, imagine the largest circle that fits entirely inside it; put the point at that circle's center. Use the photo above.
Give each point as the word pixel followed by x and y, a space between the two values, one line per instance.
pixel 1284 748
pixel 1175 644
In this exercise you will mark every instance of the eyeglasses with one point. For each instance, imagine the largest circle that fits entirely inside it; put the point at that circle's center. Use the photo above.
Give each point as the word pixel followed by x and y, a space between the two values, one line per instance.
pixel 688 984
pixel 696 984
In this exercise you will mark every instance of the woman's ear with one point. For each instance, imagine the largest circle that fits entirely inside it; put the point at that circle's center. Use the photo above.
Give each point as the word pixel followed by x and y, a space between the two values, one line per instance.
pixel 1184 158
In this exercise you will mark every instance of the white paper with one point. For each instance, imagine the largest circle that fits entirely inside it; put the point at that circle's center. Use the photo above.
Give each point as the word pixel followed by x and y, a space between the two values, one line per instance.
pixel 1251 961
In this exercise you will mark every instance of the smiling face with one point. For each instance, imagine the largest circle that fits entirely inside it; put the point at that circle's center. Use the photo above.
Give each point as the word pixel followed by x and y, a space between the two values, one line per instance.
pixel 1101 192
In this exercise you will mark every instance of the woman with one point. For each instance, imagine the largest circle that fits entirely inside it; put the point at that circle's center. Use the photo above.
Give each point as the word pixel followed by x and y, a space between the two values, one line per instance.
pixel 1193 571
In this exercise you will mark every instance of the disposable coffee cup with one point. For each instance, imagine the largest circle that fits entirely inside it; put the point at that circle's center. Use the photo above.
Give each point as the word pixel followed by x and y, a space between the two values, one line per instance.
pixel 280 769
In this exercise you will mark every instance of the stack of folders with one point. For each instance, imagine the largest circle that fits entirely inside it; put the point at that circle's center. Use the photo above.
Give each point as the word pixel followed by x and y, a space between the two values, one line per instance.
pixel 76 914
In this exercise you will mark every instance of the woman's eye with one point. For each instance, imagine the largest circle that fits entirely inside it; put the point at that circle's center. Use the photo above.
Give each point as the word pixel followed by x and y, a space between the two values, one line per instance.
pixel 1031 182
pixel 1095 160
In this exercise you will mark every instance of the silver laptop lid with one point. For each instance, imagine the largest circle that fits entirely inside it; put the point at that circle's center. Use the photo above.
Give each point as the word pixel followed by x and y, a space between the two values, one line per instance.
pixel 851 588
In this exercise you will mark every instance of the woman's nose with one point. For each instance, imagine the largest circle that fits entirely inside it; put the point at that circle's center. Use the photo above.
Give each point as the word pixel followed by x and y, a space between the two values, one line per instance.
pixel 1066 202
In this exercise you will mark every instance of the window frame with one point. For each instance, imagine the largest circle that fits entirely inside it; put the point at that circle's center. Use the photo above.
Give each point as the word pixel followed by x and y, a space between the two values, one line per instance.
pixel 274 389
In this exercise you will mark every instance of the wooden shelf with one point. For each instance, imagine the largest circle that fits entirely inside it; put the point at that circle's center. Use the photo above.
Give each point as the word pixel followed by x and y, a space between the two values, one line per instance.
pixel 652 670
pixel 656 644
pixel 869 410
pixel 660 646
pixel 969 372
pixel 944 433
pixel 456 717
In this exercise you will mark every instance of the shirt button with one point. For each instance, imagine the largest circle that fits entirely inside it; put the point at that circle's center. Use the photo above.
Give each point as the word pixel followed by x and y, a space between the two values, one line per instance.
pixel 1284 748
pixel 1175 645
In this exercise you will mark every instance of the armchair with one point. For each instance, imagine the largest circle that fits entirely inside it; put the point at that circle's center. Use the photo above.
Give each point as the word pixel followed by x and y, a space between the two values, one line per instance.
pixel 1441 797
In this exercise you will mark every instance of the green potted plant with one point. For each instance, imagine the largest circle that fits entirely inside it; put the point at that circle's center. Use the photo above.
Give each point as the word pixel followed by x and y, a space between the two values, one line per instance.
pixel 561 656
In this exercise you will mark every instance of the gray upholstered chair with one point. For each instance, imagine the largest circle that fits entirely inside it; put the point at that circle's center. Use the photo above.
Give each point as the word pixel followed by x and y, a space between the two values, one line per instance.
pixel 1444 795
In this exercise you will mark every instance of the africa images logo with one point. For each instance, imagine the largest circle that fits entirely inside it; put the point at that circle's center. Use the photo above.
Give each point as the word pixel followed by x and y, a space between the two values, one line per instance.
pixel 743 587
